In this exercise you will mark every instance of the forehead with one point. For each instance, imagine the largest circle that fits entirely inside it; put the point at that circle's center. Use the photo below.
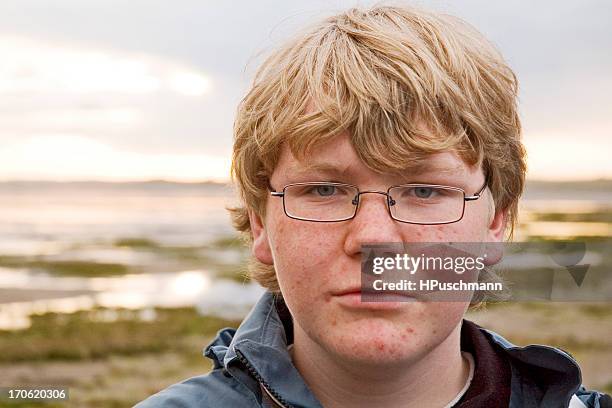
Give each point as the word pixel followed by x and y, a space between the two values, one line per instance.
pixel 338 157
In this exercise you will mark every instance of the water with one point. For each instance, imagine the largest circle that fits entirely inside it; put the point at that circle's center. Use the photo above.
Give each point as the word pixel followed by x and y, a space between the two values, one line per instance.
pixel 83 221
pixel 211 296
pixel 44 219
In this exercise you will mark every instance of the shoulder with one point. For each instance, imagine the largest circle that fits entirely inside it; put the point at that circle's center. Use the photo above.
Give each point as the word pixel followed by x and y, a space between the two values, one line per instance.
pixel 211 390
pixel 547 359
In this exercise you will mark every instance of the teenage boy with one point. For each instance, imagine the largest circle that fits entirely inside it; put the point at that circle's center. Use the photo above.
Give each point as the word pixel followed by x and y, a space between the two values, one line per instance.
pixel 368 106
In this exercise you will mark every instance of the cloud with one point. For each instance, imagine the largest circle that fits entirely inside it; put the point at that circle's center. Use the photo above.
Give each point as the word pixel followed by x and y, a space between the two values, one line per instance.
pixel 156 77
pixel 132 100
pixel 73 157
pixel 43 67
pixel 562 155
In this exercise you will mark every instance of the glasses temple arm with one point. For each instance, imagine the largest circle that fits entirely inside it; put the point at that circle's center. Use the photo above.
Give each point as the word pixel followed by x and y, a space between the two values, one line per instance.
pixel 477 195
pixel 273 192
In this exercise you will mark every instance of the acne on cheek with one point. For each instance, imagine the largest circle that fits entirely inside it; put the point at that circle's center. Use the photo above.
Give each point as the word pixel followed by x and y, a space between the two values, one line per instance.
pixel 465 230
pixel 409 331
pixel 432 233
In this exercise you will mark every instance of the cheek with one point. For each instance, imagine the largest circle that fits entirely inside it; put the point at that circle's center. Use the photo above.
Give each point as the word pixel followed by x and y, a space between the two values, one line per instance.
pixel 436 233
pixel 470 228
pixel 443 316
pixel 303 253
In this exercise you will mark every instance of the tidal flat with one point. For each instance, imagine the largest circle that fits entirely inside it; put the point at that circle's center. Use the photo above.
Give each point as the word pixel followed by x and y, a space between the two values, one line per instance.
pixel 114 290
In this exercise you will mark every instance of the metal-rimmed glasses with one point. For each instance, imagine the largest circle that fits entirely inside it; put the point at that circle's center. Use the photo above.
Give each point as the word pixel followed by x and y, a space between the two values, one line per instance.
pixel 424 204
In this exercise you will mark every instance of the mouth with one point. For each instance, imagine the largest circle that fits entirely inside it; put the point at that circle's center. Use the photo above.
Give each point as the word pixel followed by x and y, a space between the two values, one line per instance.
pixel 371 299
pixel 372 292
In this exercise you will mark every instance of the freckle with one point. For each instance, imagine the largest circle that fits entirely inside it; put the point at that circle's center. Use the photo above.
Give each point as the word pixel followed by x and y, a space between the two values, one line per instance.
pixel 334 322
pixel 434 331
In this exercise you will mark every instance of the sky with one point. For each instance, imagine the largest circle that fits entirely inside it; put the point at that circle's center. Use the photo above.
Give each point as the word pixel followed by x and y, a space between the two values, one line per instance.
pixel 147 89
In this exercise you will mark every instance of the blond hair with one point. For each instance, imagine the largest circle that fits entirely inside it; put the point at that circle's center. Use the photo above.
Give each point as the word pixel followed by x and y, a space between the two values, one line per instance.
pixel 378 74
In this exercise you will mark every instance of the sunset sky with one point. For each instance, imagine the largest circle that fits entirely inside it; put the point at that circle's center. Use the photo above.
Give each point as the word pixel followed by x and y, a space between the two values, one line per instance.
pixel 147 89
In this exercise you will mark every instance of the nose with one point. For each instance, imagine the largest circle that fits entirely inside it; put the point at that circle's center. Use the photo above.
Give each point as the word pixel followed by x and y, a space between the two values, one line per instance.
pixel 372 224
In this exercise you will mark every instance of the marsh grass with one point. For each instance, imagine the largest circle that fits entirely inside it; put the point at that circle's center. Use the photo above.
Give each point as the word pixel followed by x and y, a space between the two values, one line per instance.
pixel 569 238
pixel 136 243
pixel 207 256
pixel 67 268
pixel 237 273
pixel 82 335
pixel 595 216
pixel 228 242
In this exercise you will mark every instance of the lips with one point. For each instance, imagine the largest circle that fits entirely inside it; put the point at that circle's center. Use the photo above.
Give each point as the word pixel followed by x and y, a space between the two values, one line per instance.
pixel 371 295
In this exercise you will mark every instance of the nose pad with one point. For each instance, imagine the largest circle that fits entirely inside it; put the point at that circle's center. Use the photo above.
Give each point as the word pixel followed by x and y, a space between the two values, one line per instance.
pixel 372 224
pixel 390 201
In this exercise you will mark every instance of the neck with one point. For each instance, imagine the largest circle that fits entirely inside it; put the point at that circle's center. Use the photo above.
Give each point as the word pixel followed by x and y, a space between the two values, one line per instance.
pixel 433 380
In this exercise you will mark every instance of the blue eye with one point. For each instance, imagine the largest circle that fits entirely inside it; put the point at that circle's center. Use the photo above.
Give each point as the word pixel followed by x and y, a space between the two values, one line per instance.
pixel 423 192
pixel 326 191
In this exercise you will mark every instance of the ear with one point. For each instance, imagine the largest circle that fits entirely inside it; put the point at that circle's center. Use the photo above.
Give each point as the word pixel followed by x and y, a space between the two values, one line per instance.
pixel 497 226
pixel 495 235
pixel 261 246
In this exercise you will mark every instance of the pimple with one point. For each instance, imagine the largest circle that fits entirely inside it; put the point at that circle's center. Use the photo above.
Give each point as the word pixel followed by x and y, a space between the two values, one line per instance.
pixel 409 330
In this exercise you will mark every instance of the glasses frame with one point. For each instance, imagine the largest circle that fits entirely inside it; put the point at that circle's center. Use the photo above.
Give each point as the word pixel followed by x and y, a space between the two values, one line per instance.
pixel 390 202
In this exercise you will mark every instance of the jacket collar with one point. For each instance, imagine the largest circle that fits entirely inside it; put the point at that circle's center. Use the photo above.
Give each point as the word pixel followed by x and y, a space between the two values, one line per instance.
pixel 261 343
pixel 539 373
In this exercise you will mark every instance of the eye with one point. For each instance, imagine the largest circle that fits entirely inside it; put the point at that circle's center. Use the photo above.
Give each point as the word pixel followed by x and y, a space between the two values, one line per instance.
pixel 325 190
pixel 423 192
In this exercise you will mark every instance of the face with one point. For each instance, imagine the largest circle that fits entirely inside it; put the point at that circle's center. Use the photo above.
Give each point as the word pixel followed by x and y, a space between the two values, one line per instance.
pixel 318 263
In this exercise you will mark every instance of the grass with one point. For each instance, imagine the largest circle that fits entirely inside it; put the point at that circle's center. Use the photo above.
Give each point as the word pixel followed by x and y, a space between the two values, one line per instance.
pixel 184 256
pixel 66 268
pixel 228 242
pixel 236 273
pixel 118 363
pixel 137 243
pixel 575 238
pixel 225 242
pixel 186 253
pixel 83 335
pixel 597 310
pixel 596 216
pixel 30 404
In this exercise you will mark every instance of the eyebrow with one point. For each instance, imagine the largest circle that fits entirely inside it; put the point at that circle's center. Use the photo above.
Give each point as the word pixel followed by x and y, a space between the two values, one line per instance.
pixel 323 167
pixel 426 167
pixel 418 169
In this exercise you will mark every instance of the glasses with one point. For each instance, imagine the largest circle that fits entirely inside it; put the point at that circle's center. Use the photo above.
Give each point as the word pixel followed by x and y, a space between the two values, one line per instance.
pixel 425 204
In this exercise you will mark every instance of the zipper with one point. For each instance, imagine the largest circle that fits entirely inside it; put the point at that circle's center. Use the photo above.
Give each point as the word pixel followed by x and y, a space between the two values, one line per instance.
pixel 273 395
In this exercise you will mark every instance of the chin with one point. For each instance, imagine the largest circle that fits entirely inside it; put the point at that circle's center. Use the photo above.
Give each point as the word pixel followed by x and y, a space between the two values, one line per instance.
pixel 376 343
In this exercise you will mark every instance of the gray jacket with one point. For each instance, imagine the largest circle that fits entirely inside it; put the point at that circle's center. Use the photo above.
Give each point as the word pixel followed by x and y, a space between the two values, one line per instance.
pixel 252 368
